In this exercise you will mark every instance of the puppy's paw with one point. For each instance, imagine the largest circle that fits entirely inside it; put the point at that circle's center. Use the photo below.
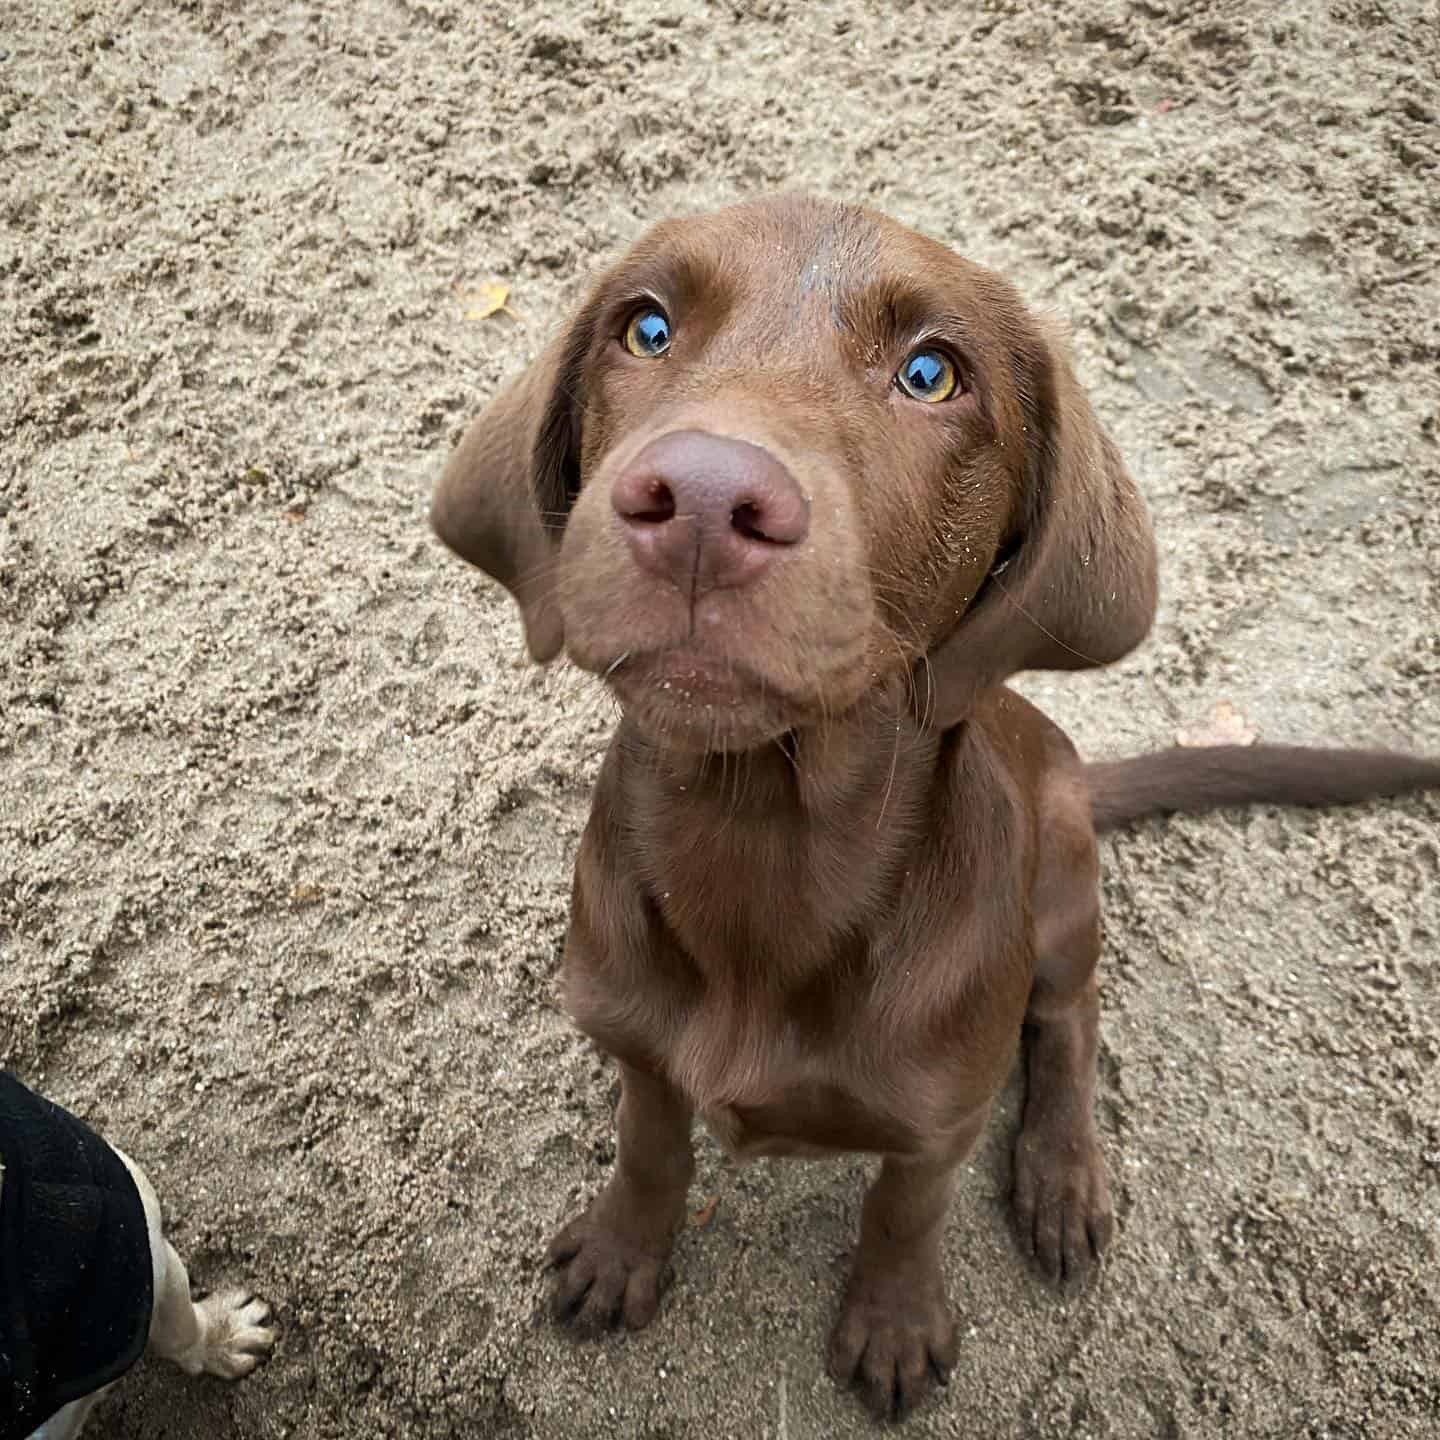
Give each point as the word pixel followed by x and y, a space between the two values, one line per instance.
pixel 1062 1201
pixel 895 1341
pixel 606 1274
pixel 234 1336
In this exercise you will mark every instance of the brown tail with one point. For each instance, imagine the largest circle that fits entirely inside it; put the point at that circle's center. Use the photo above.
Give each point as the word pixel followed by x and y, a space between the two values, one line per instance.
pixel 1208 777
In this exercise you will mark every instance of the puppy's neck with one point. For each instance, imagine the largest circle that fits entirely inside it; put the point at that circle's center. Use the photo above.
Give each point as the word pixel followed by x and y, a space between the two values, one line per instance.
pixel 819 832
pixel 839 771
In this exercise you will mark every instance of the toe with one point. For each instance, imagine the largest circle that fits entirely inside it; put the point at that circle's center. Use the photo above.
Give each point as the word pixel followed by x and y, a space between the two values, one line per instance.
pixel 1075 1243
pixel 642 1297
pixel 221 1307
pixel 944 1349
pixel 877 1381
pixel 571 1288
pixel 847 1345
pixel 1046 1246
pixel 1101 1230
pixel 255 1341
pixel 913 1378
pixel 601 1308
pixel 565 1246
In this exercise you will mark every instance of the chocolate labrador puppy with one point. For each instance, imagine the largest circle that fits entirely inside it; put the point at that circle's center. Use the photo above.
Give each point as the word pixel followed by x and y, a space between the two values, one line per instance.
pixel 804 488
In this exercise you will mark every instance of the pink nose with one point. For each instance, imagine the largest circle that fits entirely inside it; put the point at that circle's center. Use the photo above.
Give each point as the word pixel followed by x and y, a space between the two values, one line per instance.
pixel 707 511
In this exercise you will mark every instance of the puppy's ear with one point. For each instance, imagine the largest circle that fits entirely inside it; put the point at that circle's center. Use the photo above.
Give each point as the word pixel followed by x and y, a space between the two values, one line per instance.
pixel 1076 585
pixel 502 500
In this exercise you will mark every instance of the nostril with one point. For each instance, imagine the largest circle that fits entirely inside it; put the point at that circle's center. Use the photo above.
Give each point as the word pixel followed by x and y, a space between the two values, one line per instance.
pixel 651 502
pixel 748 519
pixel 782 519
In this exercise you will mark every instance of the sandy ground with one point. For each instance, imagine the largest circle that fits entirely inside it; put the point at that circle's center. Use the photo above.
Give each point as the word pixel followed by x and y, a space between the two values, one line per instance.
pixel 287 822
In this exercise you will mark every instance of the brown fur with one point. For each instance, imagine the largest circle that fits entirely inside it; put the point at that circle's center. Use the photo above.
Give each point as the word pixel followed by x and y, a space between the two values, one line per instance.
pixel 833 866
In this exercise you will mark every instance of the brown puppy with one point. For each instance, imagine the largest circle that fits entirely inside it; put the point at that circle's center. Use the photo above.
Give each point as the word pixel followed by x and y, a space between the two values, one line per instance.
pixel 805 488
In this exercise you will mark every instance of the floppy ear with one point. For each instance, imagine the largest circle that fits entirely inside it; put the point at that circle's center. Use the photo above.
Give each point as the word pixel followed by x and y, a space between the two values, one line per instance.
pixel 503 497
pixel 1076 587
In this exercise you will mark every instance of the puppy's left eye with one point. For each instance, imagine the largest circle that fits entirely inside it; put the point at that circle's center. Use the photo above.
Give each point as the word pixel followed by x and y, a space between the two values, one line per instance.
pixel 648 333
pixel 928 375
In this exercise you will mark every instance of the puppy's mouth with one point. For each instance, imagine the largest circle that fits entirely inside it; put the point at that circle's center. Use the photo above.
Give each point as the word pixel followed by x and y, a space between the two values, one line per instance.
pixel 691 700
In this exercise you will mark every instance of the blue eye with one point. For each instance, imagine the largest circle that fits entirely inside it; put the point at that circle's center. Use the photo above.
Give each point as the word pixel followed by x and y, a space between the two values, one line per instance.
pixel 648 333
pixel 928 375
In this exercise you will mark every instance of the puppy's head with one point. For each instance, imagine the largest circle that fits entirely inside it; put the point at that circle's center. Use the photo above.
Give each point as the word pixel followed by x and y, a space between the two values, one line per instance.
pixel 791 451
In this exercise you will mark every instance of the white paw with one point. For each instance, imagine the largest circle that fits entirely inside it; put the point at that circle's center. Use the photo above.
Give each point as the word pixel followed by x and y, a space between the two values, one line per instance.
pixel 236 1337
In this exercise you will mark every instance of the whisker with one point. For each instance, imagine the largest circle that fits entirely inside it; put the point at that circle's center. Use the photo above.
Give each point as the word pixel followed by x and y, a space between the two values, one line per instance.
pixel 890 781
pixel 929 691
pixel 785 749
pixel 1048 634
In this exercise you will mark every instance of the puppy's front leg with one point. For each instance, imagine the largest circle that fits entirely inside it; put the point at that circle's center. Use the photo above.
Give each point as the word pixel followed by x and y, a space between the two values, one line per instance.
pixel 1062 1200
pixel 895 1338
pixel 611 1259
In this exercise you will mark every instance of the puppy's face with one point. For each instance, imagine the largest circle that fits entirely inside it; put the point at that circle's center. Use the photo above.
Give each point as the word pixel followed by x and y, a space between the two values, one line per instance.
pixel 860 376
pixel 782 449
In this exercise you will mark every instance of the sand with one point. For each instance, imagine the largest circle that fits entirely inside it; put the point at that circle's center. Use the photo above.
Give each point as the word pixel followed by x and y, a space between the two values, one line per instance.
pixel 288 820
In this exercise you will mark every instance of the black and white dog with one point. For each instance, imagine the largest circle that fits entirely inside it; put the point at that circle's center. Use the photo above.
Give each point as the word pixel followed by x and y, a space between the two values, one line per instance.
pixel 87 1278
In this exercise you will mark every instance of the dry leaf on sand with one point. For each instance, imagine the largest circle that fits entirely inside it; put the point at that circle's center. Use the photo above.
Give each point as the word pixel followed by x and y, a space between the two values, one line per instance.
pixel 486 300
pixel 1226 726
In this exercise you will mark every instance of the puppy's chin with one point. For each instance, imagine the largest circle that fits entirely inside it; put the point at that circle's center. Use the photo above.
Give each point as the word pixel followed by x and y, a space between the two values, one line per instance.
pixel 697 704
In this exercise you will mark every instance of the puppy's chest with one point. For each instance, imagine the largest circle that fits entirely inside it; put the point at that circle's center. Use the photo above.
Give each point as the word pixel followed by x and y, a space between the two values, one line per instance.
pixel 774 1089
pixel 768 997
pixel 765 1081
pixel 803 1116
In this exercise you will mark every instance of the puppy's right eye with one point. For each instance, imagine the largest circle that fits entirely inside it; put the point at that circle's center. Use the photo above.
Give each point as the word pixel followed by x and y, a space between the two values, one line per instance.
pixel 648 333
